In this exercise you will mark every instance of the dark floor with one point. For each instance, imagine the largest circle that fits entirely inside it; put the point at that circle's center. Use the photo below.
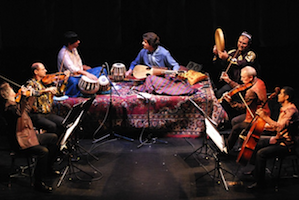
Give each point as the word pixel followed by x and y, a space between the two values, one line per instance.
pixel 153 171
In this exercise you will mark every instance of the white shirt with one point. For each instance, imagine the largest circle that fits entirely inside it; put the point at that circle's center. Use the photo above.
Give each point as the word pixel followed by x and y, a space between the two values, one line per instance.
pixel 71 60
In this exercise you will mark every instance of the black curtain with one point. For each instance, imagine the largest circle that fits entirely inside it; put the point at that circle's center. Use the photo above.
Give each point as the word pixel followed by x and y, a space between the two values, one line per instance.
pixel 110 31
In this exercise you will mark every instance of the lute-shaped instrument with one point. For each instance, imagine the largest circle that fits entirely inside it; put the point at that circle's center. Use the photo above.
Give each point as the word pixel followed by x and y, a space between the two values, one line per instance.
pixel 142 71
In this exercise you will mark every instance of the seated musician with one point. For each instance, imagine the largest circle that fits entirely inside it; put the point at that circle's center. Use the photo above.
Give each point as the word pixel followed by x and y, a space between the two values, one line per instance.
pixel 23 137
pixel 154 55
pixel 41 113
pixel 253 99
pixel 69 59
pixel 240 57
pixel 233 61
pixel 284 140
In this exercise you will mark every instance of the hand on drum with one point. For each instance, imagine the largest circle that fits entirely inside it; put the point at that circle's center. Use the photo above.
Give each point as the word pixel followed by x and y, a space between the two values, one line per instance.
pixel 91 76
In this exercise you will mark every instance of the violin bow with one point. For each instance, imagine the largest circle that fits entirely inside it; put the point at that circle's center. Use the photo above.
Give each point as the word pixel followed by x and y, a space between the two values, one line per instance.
pixel 6 79
pixel 60 68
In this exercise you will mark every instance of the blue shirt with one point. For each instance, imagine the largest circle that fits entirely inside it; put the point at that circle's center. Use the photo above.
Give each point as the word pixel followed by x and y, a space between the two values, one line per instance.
pixel 159 58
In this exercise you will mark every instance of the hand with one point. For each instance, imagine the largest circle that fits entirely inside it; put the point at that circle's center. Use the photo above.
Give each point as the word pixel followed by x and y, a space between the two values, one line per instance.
pixel 67 73
pixel 227 97
pixel 53 90
pixel 222 55
pixel 260 112
pixel 224 76
pixel 129 72
pixel 272 140
pixel 215 50
pixel 91 76
pixel 86 67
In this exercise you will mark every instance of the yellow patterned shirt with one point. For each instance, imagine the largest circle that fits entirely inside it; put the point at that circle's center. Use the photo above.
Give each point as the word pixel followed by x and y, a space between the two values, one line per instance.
pixel 43 102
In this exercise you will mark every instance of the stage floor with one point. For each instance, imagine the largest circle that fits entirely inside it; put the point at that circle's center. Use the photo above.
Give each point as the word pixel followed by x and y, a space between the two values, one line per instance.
pixel 153 171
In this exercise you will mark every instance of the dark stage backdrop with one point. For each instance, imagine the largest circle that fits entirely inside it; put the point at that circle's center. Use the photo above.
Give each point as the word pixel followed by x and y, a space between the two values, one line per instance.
pixel 111 30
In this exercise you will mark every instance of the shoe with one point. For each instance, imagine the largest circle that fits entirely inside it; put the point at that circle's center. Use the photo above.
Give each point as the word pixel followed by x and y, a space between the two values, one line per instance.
pixel 248 173
pixel 42 187
pixel 52 173
pixel 255 186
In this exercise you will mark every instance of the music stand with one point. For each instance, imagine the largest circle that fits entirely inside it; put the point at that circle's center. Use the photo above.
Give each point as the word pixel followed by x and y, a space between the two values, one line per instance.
pixel 69 144
pixel 219 142
pixel 111 134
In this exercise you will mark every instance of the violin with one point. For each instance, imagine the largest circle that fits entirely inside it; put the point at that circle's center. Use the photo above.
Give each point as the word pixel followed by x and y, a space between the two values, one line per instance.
pixel 55 78
pixel 235 90
pixel 50 78
pixel 19 94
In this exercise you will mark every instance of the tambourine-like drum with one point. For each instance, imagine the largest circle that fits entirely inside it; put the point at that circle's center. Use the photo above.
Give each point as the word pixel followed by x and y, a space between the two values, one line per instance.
pixel 88 86
pixel 118 71
pixel 104 83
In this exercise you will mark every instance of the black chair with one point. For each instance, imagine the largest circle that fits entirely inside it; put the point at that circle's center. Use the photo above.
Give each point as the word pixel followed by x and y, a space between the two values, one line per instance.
pixel 22 165
pixel 280 162
pixel 20 169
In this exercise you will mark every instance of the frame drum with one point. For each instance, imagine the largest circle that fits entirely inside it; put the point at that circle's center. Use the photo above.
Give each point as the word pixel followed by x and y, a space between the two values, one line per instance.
pixel 104 83
pixel 118 71
pixel 88 86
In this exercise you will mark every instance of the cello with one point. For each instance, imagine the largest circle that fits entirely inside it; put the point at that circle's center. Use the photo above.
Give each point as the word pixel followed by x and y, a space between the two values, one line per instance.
pixel 256 127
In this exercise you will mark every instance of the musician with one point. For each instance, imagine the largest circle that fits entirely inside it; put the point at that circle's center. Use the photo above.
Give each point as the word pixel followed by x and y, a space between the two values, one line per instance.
pixel 284 140
pixel 41 113
pixel 69 59
pixel 154 55
pixel 239 58
pixel 23 137
pixel 253 99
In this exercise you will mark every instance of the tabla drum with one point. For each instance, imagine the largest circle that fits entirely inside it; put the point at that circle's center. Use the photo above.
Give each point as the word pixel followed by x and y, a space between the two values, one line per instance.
pixel 104 83
pixel 88 86
pixel 118 71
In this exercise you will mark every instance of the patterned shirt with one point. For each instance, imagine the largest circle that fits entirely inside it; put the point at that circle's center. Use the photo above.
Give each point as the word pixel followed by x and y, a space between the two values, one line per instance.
pixel 43 101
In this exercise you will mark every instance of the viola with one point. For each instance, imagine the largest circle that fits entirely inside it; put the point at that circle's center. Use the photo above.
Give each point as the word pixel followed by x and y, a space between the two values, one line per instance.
pixel 257 126
pixel 235 90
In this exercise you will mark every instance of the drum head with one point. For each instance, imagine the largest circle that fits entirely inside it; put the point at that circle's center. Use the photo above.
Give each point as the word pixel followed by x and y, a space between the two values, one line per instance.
pixel 120 65
pixel 219 39
pixel 86 79
pixel 103 80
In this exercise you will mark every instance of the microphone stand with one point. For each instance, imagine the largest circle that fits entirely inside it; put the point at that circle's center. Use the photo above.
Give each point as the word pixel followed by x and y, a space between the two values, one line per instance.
pixel 112 134
pixel 152 140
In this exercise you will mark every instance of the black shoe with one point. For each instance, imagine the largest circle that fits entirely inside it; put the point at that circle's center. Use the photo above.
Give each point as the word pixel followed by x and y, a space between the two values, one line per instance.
pixel 255 186
pixel 248 173
pixel 53 173
pixel 42 187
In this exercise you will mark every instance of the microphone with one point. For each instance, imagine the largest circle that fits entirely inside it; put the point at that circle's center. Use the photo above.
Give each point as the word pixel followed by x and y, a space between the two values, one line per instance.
pixel 103 66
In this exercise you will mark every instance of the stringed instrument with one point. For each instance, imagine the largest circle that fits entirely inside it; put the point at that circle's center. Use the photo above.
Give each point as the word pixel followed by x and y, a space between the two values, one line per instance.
pixel 235 90
pixel 257 126
pixel 142 71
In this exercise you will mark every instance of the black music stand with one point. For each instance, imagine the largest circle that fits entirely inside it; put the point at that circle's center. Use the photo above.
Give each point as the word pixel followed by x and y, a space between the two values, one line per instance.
pixel 219 142
pixel 69 141
pixel 149 139
pixel 111 134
